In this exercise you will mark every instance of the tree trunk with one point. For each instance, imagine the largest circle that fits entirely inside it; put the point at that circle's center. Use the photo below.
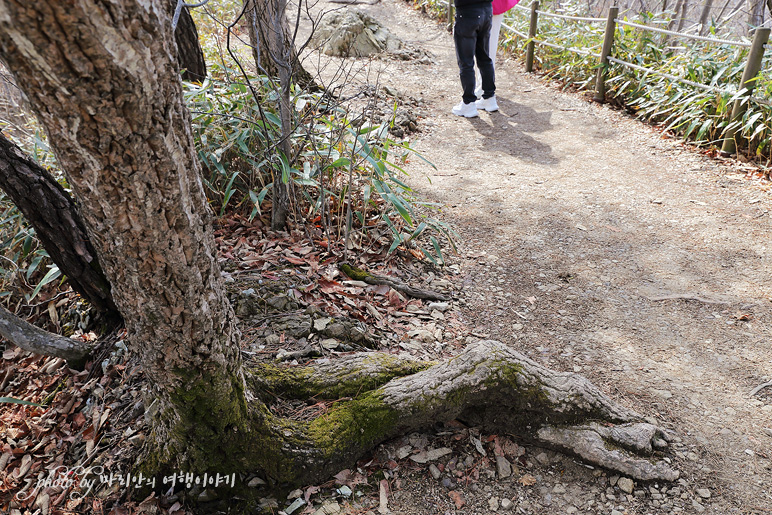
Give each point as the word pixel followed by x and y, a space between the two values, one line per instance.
pixel 109 94
pixel 704 17
pixel 111 100
pixel 682 19
pixel 264 34
pixel 274 54
pixel 756 15
pixel 769 6
pixel 676 10
pixel 189 54
pixel 53 215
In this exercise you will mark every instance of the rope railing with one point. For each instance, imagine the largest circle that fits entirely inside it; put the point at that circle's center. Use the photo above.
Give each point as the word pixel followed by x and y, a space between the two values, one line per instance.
pixel 580 51
pixel 567 17
pixel 515 31
pixel 682 35
pixel 753 63
pixel 683 80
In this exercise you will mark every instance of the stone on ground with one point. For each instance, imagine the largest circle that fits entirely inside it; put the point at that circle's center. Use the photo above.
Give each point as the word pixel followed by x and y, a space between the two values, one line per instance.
pixel 352 33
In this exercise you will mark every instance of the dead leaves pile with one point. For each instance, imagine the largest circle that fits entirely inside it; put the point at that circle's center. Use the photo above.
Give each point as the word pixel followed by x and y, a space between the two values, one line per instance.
pixel 307 264
pixel 86 426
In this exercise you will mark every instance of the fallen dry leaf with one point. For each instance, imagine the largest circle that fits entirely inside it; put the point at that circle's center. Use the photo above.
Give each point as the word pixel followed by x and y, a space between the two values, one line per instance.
pixel 527 480
pixel 458 499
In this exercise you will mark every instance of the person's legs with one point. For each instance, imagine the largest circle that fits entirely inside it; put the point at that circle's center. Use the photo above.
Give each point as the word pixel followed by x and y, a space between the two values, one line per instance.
pixel 465 36
pixel 484 62
pixel 493 45
pixel 494 41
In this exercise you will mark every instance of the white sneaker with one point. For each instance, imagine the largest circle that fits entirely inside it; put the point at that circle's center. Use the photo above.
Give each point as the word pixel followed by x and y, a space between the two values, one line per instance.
pixel 478 92
pixel 466 110
pixel 488 104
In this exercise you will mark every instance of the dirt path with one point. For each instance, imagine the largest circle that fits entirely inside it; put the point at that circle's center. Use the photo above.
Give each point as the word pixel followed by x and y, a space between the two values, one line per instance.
pixel 592 244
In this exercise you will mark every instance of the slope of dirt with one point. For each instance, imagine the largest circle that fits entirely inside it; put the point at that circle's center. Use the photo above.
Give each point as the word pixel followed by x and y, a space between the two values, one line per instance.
pixel 593 244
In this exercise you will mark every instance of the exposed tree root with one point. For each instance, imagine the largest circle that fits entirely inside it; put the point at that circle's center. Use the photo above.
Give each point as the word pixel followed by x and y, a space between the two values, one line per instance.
pixel 488 385
pixel 361 275
pixel 33 339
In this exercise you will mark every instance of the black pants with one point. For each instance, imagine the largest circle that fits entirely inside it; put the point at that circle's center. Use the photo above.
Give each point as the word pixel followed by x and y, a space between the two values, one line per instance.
pixel 472 32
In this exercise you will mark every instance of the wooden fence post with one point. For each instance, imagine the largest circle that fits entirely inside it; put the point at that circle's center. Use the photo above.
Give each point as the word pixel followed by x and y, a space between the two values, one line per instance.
pixel 608 42
pixel 531 36
pixel 450 15
pixel 752 68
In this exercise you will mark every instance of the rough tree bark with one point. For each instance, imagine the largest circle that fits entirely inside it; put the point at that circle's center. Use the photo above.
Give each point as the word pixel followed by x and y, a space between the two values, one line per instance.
pixel 34 339
pixel 55 218
pixel 109 94
pixel 756 13
pixel 487 385
pixel 189 54
pixel 111 100
pixel 272 41
pixel 274 54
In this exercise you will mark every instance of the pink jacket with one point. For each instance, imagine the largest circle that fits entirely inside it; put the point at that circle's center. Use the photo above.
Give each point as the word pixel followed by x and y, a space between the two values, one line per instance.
pixel 502 6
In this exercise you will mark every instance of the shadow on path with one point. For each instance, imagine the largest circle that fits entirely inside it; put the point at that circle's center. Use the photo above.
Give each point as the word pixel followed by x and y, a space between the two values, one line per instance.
pixel 509 131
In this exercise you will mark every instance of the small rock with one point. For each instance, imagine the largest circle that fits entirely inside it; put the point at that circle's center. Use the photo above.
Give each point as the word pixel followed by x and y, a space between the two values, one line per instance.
pixel 493 503
pixel 330 343
pixel 434 471
pixel 704 493
pixel 206 496
pixel 543 458
pixel 391 91
pixel 437 315
pixel 448 482
pixel 295 494
pixel 438 306
pixel 503 467
pixel 320 324
pixel 404 451
pixel 697 506
pixel 345 491
pixel 328 508
pixel 506 504
pixel 626 485
pixel 613 480
pixel 615 512
pixel 430 455
pixel 294 506
pixel 255 481
pixel 267 503
pixel 559 489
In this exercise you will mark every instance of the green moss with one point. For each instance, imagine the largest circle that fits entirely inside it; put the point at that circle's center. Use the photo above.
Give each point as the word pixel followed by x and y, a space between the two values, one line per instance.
pixel 354 273
pixel 361 423
pixel 284 381
pixel 301 382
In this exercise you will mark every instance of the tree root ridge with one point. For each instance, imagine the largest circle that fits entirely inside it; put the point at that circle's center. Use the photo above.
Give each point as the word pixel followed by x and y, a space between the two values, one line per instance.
pixel 488 385
pixel 33 339
pixel 592 444
pixel 360 275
